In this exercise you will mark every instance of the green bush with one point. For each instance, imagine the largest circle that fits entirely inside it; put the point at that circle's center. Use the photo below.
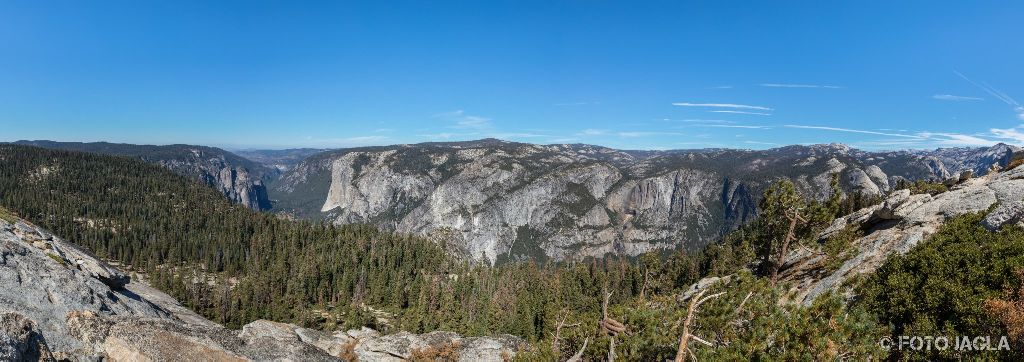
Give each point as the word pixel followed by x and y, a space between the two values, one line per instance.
pixel 923 187
pixel 838 247
pixel 939 288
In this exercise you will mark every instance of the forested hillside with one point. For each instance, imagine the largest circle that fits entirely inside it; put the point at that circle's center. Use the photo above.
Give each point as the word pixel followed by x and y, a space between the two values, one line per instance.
pixel 239 179
pixel 235 265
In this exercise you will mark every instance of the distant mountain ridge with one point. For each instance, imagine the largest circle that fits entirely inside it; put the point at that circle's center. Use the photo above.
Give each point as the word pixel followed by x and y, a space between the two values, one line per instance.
pixel 282 160
pixel 239 179
pixel 506 200
pixel 975 159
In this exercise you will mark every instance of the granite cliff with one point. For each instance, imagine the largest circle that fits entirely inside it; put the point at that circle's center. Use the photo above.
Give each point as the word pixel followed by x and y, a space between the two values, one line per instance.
pixel 505 201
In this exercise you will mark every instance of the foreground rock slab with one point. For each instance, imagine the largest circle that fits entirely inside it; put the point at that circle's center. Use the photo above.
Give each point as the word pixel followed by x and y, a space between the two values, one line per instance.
pixel 60 303
pixel 900 223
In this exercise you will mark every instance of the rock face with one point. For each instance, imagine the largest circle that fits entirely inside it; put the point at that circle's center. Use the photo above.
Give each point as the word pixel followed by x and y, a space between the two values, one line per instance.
pixel 505 200
pixel 241 180
pixel 20 341
pixel 235 182
pixel 58 302
pixel 1009 213
pixel 44 281
pixel 960 159
pixel 900 223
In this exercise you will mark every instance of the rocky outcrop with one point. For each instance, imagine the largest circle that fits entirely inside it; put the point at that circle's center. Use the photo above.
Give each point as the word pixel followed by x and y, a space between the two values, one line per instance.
pixel 20 340
pixel 978 161
pixel 130 339
pixel 236 182
pixel 60 303
pixel 44 281
pixel 508 201
pixel 900 223
pixel 1004 214
pixel 123 338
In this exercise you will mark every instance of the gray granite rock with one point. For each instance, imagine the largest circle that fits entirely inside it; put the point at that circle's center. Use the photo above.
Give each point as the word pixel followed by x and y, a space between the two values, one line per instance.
pixel 897 225
pixel 1008 213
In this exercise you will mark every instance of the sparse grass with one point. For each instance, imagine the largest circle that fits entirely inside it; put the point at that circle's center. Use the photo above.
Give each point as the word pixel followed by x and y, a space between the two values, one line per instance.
pixel 923 187
pixel 1013 164
pixel 57 259
pixel 448 352
pixel 348 351
pixel 838 248
pixel 7 215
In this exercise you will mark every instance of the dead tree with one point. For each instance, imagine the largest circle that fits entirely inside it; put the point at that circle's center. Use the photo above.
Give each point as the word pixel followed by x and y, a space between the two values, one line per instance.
pixel 558 332
pixel 643 289
pixel 610 327
pixel 578 357
pixel 793 217
pixel 684 340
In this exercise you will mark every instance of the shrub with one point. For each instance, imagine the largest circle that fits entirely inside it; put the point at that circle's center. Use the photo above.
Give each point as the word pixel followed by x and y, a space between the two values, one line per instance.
pixel 837 247
pixel 940 287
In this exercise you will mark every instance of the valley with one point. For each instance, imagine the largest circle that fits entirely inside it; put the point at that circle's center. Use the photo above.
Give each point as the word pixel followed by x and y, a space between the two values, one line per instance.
pixel 240 268
pixel 495 181
pixel 505 201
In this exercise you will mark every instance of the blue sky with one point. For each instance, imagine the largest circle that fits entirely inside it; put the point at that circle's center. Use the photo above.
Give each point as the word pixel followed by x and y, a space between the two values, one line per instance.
pixel 634 75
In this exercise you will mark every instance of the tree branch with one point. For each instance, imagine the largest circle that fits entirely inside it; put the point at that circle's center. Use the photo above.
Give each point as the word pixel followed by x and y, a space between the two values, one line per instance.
pixel 684 340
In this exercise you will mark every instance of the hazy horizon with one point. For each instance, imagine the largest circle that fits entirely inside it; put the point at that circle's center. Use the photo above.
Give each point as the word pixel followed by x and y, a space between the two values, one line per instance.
pixel 243 149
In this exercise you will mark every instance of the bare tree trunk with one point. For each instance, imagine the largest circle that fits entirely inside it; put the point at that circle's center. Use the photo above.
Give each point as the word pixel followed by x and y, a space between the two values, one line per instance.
pixel 684 340
pixel 643 290
pixel 790 236
pixel 610 327
pixel 578 357
pixel 555 344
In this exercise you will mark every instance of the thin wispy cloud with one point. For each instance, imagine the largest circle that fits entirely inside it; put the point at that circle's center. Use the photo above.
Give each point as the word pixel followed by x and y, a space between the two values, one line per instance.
pixel 703 144
pixel 593 132
pixel 564 140
pixel 648 134
pixel 744 112
pixel 721 105
pixel 449 114
pixel 953 98
pixel 448 135
pixel 713 121
pixel 901 143
pixel 473 122
pixel 955 139
pixel 733 126
pixel 1015 134
pixel 761 143
pixel 791 85
pixel 465 121
pixel 516 135
pixel 904 140
pixel 1017 108
pixel 837 129
pixel 721 87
